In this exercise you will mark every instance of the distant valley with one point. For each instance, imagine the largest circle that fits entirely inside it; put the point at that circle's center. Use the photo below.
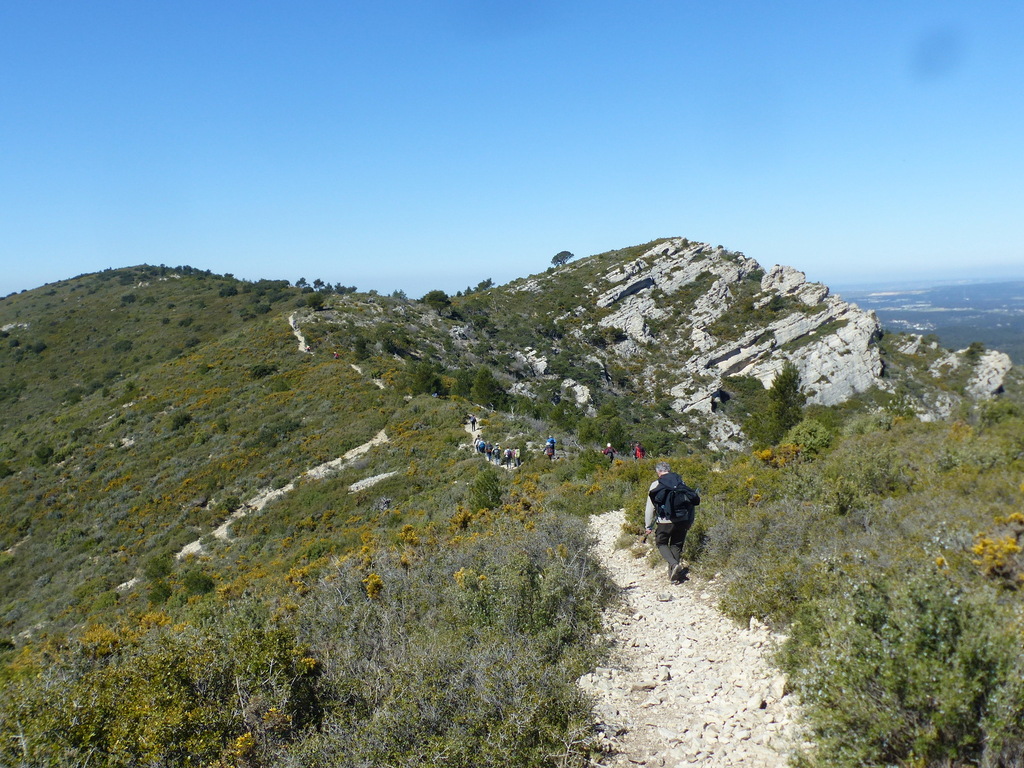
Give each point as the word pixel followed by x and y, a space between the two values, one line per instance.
pixel 957 313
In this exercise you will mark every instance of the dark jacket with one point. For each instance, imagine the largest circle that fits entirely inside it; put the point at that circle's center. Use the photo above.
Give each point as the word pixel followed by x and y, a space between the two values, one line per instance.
pixel 669 482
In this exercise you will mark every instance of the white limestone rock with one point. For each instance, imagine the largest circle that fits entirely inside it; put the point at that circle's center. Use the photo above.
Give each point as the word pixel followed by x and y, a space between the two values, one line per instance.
pixel 786 281
pixel 532 361
pixel 989 372
pixel 579 392
pixel 937 406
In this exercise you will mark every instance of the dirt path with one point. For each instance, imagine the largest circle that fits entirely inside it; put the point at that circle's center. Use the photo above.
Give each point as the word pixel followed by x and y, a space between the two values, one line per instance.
pixel 685 685
pixel 261 499
pixel 303 346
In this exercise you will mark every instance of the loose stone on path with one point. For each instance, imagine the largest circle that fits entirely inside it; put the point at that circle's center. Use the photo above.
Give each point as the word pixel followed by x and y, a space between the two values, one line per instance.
pixel 685 685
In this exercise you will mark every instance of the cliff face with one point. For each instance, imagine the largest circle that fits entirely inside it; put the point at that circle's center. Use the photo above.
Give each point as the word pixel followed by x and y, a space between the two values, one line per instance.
pixel 686 317
pixel 773 316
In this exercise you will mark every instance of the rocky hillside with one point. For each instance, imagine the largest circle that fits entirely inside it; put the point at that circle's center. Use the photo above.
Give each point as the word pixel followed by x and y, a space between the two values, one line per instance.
pixel 243 523
pixel 681 324
pixel 142 406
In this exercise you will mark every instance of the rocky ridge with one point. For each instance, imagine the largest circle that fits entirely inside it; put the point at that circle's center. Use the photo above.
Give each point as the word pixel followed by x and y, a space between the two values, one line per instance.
pixel 685 685
pixel 829 340
pixel 690 315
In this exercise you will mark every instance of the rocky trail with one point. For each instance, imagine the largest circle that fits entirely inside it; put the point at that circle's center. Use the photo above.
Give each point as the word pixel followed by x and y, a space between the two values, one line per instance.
pixel 685 685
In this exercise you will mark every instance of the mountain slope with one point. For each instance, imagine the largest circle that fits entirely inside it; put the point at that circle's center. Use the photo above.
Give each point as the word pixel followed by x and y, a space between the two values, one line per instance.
pixel 143 406
pixel 402 601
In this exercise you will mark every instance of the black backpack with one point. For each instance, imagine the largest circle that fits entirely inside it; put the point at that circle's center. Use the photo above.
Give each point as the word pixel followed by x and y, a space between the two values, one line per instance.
pixel 675 500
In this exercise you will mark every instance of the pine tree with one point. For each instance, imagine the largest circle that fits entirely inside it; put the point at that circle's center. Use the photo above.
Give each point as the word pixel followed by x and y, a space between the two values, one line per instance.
pixel 784 411
pixel 486 389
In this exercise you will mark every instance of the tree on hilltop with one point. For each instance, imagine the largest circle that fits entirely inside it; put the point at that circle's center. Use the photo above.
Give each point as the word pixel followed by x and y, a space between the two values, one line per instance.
pixel 436 300
pixel 562 257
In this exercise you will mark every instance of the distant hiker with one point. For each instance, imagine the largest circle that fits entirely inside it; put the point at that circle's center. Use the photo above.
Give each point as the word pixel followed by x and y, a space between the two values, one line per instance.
pixel 610 453
pixel 639 452
pixel 549 449
pixel 516 457
pixel 507 459
pixel 497 454
pixel 671 503
pixel 489 449
pixel 481 446
pixel 336 355
pixel 472 423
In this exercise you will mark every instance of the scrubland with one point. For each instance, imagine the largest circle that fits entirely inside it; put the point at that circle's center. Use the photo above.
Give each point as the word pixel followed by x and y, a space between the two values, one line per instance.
pixel 441 615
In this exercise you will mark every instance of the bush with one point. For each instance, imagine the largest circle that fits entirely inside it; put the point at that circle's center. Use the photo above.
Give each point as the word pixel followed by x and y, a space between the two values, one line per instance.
pixel 465 655
pixel 179 419
pixel 910 671
pixel 485 490
pixel 261 370
pixel 197 583
pixel 811 435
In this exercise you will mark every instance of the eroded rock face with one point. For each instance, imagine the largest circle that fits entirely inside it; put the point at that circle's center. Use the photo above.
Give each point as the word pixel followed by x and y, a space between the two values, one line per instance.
pixel 687 316
pixel 989 374
pixel 532 360
pixel 829 340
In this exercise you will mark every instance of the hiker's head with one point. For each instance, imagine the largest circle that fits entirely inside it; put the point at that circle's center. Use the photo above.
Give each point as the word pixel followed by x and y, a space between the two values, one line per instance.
pixel 662 468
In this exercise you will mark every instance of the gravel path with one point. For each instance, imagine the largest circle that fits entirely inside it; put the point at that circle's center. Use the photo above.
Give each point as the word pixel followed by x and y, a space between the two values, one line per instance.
pixel 686 685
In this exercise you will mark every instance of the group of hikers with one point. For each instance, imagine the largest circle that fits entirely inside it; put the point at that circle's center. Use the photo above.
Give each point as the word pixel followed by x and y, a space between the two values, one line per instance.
pixel 636 450
pixel 670 507
pixel 504 457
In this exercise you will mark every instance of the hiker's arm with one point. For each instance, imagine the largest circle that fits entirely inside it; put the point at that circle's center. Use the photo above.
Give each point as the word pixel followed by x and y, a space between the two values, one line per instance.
pixel 649 511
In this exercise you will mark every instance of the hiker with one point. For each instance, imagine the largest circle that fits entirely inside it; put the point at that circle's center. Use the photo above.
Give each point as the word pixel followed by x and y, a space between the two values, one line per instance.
pixel 639 452
pixel 497 454
pixel 480 446
pixel 516 458
pixel 549 449
pixel 610 453
pixel 472 423
pixel 489 449
pixel 670 504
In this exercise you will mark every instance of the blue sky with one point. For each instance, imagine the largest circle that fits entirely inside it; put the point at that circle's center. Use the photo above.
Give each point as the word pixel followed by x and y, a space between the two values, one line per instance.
pixel 415 145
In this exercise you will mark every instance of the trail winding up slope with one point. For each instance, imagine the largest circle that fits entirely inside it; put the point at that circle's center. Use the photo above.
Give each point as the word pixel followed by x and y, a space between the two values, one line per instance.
pixel 685 685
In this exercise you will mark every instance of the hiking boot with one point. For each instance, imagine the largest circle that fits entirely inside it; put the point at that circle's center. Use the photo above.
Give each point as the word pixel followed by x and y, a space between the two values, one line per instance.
pixel 677 573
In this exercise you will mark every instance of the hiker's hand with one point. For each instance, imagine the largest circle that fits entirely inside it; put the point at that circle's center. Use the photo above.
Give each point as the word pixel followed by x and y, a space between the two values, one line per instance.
pixel 649 530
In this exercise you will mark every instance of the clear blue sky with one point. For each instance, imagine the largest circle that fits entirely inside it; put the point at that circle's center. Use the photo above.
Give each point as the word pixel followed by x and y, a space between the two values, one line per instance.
pixel 421 144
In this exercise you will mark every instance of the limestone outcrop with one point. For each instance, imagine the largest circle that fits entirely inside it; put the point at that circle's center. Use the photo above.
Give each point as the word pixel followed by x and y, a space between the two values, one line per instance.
pixel 829 340
pixel 683 318
pixel 987 379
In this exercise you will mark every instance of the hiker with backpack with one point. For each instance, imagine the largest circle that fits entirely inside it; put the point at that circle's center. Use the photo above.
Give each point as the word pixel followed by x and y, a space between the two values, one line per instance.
pixel 549 449
pixel 669 515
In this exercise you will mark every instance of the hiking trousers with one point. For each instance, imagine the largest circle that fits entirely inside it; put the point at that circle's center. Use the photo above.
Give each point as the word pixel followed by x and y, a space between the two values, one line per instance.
pixel 669 538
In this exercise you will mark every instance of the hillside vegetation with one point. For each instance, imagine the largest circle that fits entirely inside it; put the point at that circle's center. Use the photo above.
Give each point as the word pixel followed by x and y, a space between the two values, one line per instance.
pixel 414 605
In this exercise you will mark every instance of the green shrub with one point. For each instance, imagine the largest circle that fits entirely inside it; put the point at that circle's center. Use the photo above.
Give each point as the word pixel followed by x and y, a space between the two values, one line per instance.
pixel 811 435
pixel 197 583
pixel 180 419
pixel 158 566
pixel 910 671
pixel 485 490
